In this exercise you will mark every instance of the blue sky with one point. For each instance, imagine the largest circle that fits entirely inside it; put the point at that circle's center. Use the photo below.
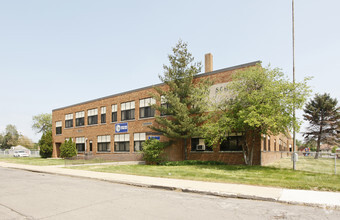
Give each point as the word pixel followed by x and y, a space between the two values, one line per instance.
pixel 57 53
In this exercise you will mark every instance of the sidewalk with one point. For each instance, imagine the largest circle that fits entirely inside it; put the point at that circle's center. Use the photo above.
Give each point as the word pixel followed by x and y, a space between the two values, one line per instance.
pixel 301 197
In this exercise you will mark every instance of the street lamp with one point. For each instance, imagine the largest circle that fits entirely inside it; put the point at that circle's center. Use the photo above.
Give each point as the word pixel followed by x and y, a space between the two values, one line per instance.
pixel 294 139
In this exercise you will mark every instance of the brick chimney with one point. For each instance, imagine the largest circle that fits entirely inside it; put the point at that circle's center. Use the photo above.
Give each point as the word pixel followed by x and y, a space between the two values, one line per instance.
pixel 208 62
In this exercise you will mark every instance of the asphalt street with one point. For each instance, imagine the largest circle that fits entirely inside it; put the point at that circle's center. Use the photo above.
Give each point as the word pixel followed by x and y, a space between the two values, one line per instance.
pixel 30 195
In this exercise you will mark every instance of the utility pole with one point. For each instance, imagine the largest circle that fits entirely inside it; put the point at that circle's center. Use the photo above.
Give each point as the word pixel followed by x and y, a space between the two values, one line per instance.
pixel 294 138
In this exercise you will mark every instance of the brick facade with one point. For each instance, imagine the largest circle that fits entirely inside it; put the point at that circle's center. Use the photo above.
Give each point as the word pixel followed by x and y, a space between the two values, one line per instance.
pixel 137 125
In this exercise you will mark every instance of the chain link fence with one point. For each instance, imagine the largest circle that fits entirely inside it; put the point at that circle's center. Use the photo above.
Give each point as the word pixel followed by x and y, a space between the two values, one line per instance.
pixel 326 162
pixel 9 153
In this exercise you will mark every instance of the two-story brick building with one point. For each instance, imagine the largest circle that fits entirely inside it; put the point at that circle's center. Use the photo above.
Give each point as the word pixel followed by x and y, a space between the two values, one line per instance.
pixel 116 126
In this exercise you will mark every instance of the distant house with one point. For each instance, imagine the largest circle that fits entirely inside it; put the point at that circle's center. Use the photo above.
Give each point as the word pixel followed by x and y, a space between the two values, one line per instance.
pixel 326 148
pixel 19 147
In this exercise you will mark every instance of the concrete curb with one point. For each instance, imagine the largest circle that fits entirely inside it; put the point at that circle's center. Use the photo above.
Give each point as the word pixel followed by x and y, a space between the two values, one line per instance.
pixel 273 198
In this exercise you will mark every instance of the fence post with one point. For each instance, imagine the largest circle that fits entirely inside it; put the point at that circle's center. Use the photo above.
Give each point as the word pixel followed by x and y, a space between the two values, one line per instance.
pixel 335 164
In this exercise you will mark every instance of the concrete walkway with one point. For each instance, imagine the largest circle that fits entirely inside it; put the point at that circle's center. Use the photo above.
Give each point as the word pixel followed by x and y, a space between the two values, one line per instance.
pixel 301 197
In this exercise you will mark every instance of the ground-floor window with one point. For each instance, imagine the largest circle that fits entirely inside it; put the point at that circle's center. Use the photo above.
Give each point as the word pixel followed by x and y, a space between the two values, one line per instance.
pixel 233 142
pixel 103 143
pixel 139 139
pixel 80 144
pixel 199 144
pixel 122 143
pixel 104 147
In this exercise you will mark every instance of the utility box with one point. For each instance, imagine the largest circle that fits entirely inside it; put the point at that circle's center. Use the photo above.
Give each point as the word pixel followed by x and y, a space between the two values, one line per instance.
pixel 295 157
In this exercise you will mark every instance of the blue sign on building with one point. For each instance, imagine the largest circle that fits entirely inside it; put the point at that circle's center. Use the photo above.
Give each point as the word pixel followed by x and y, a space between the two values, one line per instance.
pixel 155 137
pixel 121 128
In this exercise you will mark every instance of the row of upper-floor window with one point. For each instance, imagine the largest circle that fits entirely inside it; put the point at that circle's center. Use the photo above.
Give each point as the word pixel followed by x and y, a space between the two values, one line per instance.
pixel 127 110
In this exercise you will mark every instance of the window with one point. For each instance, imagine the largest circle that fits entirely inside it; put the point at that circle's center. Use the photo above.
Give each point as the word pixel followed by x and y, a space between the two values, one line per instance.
pixel 128 110
pixel 198 144
pixel 114 113
pixel 122 142
pixel 268 143
pixel 139 139
pixel 92 116
pixel 103 115
pixel 280 145
pixel 233 142
pixel 104 143
pixel 145 110
pixel 275 145
pixel 69 120
pixel 264 140
pixel 58 126
pixel 80 144
pixel 165 105
pixel 80 121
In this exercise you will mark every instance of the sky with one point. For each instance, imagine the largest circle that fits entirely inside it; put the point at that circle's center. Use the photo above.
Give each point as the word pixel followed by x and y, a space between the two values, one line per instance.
pixel 58 53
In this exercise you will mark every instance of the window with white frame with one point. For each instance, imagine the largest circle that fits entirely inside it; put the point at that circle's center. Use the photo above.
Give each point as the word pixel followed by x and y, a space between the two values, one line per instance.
pixel 80 121
pixel 128 110
pixel 58 127
pixel 122 142
pixel 103 143
pixel 145 109
pixel 80 144
pixel 165 106
pixel 92 116
pixel 69 120
pixel 114 113
pixel 103 115
pixel 139 139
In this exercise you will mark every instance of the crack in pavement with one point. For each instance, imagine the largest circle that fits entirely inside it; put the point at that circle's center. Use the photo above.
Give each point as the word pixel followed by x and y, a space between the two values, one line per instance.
pixel 17 212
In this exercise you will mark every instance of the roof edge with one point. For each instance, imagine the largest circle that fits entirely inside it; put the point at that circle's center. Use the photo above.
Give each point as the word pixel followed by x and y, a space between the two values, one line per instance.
pixel 159 84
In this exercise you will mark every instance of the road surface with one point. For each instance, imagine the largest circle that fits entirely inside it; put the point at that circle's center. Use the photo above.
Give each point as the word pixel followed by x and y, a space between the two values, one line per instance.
pixel 29 195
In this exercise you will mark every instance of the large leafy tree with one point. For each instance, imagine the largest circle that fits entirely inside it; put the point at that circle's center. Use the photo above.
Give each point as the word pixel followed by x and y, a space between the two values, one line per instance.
pixel 323 116
pixel 260 101
pixel 42 123
pixel 184 95
pixel 10 137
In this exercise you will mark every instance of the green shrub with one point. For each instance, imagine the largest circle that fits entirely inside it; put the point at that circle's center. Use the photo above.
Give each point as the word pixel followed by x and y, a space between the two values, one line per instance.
pixel 45 143
pixel 191 162
pixel 153 151
pixel 68 149
pixel 334 149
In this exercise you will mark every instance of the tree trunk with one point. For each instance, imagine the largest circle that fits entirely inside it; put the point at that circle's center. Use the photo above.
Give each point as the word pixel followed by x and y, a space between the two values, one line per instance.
pixel 318 144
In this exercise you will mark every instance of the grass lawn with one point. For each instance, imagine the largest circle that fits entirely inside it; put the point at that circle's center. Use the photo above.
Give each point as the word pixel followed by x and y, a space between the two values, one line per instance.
pixel 33 161
pixel 321 165
pixel 255 175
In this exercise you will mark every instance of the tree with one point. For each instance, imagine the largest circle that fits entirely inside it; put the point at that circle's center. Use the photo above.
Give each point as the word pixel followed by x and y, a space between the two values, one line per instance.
pixel 25 141
pixel 42 123
pixel 10 137
pixel 184 95
pixel 45 144
pixel 260 101
pixel 68 149
pixel 323 116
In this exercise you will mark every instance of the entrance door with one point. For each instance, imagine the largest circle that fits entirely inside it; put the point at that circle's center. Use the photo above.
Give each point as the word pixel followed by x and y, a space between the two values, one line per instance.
pixel 90 146
pixel 58 149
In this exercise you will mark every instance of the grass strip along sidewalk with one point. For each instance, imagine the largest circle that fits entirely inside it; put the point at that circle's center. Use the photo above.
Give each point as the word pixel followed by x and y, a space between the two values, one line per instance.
pixel 214 172
pixel 252 175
